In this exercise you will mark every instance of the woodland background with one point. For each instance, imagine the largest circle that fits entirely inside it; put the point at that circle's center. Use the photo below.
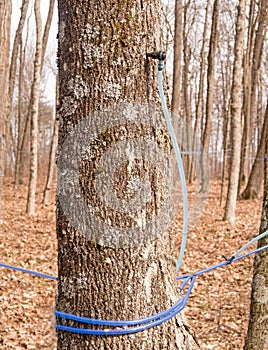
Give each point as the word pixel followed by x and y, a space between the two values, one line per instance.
pixel 217 84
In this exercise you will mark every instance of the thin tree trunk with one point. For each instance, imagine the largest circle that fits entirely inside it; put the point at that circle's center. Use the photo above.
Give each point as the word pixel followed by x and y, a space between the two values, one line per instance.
pixel 5 22
pixel 210 92
pixel 14 56
pixel 236 110
pixel 256 176
pixel 22 160
pixel 30 209
pixel 253 80
pixel 47 29
pixel 257 54
pixel 176 89
pixel 200 96
pixel 52 153
pixel 257 336
pixel 51 165
pixel 247 116
pixel 102 64
pixel 20 120
pixel 25 139
pixel 185 88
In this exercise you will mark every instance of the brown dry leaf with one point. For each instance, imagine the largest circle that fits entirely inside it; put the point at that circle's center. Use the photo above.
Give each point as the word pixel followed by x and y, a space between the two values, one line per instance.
pixel 218 308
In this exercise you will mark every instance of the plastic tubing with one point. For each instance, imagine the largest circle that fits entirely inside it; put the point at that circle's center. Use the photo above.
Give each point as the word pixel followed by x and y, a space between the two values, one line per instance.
pixel 180 165
pixel 30 272
pixel 257 238
pixel 179 306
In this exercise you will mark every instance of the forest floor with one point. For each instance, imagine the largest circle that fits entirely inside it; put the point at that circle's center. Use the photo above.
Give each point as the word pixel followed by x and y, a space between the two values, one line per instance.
pixel 217 310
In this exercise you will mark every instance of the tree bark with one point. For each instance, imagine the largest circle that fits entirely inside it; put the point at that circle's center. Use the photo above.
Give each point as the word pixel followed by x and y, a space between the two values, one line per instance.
pixel 14 56
pixel 247 116
pixel 25 137
pixel 101 57
pixel 257 336
pixel 200 96
pixel 5 22
pixel 210 91
pixel 185 88
pixel 236 110
pixel 257 54
pixel 51 165
pixel 20 128
pixel 47 29
pixel 253 188
pixel 176 88
pixel 30 209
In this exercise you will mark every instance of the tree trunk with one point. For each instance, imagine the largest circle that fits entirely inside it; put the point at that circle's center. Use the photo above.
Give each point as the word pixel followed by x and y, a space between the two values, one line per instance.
pixel 47 29
pixel 236 109
pixel 185 88
pixel 102 47
pixel 34 112
pixel 250 100
pixel 176 88
pixel 247 117
pixel 14 56
pixel 257 337
pixel 51 165
pixel 21 161
pixel 24 134
pixel 210 91
pixel 257 54
pixel 200 95
pixel 5 21
pixel 256 176
pixel 20 120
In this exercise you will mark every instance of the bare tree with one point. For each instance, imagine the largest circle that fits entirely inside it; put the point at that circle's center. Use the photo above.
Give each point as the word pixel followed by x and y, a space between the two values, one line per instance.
pixel 210 89
pixel 41 44
pixel 252 110
pixel 34 112
pixel 14 56
pixel 247 81
pixel 200 93
pixel 253 187
pixel 176 89
pixel 101 63
pixel 257 336
pixel 5 21
pixel 16 181
pixel 236 110
pixel 52 155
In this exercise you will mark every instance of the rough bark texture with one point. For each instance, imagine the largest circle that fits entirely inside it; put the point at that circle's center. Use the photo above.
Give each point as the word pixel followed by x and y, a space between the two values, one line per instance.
pixel 236 109
pixel 210 91
pixel 34 112
pixel 257 337
pixel 256 176
pixel 101 57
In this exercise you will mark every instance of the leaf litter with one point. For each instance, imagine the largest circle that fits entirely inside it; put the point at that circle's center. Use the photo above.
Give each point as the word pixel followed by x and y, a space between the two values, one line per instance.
pixel 217 310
